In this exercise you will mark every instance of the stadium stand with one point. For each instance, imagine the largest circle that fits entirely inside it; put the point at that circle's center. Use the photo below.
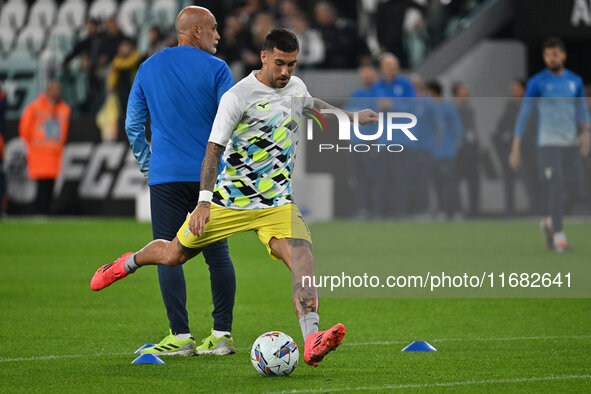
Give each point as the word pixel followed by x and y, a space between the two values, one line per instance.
pixel 131 15
pixel 73 14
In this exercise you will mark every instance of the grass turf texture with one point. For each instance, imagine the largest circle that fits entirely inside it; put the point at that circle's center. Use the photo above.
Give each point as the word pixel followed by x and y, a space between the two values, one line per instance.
pixel 59 336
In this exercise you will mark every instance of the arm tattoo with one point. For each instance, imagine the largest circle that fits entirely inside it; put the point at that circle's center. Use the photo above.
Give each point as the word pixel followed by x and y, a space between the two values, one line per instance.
pixel 210 165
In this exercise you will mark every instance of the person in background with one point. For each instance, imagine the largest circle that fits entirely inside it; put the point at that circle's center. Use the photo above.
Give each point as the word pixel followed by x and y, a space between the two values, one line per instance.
pixel 263 23
pixel 366 169
pixel 564 135
pixel 182 99
pixel 469 151
pixel 502 138
pixel 343 47
pixel 445 150
pixel 124 66
pixel 395 92
pixel 87 50
pixel 109 45
pixel 44 130
pixel 157 41
pixel 311 45
pixel 425 130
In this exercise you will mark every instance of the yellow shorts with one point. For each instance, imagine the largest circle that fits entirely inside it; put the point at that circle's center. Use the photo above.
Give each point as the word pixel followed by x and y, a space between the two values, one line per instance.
pixel 284 221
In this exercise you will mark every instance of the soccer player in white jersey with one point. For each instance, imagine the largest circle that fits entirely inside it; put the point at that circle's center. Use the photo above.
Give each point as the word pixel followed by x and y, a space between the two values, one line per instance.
pixel 257 128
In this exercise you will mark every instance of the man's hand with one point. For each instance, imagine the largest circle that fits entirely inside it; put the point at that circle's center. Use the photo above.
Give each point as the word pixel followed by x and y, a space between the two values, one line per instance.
pixel 585 140
pixel 515 155
pixel 515 159
pixel 367 116
pixel 199 218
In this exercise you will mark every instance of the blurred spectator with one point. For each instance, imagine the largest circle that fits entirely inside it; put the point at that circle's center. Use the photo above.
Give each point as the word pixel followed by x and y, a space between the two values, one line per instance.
pixel 425 130
pixel 469 151
pixel 88 45
pixel 343 47
pixel 447 140
pixel 44 129
pixel 110 41
pixel 502 139
pixel 248 12
pixel 366 169
pixel 415 33
pixel 311 51
pixel 390 18
pixel 287 10
pixel 233 42
pixel 394 92
pixel 157 41
pixel 3 200
pixel 123 69
pixel 89 84
pixel 251 56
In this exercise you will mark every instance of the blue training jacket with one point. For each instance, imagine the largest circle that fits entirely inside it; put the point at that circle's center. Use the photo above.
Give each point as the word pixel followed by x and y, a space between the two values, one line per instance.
pixel 561 106
pixel 180 88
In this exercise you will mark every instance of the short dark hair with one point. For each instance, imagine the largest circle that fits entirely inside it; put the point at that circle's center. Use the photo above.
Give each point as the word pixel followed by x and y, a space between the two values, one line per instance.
pixel 435 86
pixel 282 39
pixel 554 42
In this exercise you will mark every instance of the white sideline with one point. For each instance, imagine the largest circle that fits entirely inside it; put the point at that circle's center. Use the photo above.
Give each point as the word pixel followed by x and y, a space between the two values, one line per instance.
pixel 446 384
pixel 62 356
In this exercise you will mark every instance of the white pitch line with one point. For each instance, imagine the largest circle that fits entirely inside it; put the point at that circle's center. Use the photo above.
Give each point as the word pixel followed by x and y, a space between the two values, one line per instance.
pixel 443 384
pixel 62 356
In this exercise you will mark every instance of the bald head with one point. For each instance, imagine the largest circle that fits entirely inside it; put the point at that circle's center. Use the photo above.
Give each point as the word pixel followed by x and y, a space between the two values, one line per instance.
pixel 196 26
pixel 389 65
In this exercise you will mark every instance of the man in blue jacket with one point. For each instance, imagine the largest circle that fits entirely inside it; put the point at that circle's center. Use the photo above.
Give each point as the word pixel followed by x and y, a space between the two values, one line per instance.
pixel 180 89
pixel 559 96
pixel 445 150
pixel 395 93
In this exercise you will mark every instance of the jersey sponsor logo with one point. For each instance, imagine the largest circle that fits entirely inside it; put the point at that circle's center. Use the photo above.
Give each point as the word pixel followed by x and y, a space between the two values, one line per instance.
pixel 263 105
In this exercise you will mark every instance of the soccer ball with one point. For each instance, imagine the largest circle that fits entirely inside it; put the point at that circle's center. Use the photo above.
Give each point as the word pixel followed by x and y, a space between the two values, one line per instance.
pixel 274 354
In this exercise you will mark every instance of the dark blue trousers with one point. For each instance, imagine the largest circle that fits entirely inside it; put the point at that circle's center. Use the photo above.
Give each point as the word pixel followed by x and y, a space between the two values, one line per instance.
pixel 561 173
pixel 169 205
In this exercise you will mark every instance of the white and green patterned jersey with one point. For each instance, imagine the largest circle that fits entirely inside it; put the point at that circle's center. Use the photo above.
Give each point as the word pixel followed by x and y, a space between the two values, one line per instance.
pixel 259 126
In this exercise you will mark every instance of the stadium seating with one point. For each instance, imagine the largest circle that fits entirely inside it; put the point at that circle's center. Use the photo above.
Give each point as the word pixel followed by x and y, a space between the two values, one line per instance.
pixel 164 13
pixel 61 41
pixel 73 14
pixel 13 15
pixel 43 14
pixel 30 41
pixel 7 37
pixel 132 13
pixel 102 9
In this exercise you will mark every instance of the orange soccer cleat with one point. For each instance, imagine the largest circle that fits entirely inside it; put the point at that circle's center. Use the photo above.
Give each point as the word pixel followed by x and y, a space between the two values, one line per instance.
pixel 319 344
pixel 109 273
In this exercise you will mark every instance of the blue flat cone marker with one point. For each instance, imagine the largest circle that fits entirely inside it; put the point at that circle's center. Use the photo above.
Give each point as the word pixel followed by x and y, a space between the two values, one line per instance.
pixel 143 347
pixel 147 359
pixel 419 346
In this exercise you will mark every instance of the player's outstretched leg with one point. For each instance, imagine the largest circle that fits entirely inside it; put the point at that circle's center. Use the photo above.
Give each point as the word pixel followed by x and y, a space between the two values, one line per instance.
pixel 297 256
pixel 157 252
pixel 109 273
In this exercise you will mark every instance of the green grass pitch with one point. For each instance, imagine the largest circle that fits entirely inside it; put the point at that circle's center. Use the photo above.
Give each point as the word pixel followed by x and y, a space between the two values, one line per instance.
pixel 59 336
